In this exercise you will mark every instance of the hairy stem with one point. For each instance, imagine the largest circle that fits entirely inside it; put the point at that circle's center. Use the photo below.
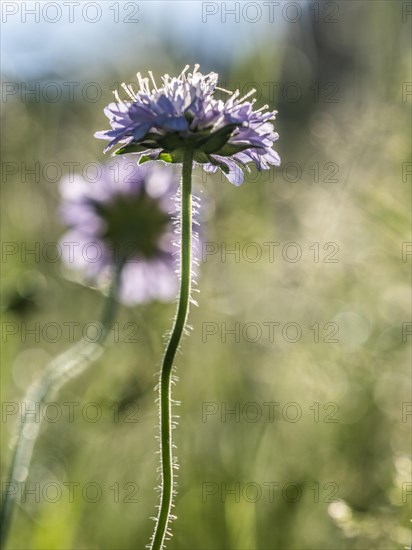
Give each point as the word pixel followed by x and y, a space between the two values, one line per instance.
pixel 61 369
pixel 165 398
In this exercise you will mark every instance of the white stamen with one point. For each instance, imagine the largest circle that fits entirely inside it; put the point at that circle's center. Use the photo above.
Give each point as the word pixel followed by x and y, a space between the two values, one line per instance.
pixel 184 70
pixel 235 94
pixel 223 90
pixel 117 97
pixel 252 91
pixel 141 83
pixel 153 80
pixel 146 84
pixel 129 91
pixel 262 108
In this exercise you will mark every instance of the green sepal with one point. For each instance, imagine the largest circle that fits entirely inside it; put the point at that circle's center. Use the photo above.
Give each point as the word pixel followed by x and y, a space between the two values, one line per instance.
pixel 170 142
pixel 173 157
pixel 217 140
pixel 177 155
pixel 136 147
pixel 165 157
pixel 131 148
pixel 232 148
pixel 220 165
pixel 143 159
pixel 201 158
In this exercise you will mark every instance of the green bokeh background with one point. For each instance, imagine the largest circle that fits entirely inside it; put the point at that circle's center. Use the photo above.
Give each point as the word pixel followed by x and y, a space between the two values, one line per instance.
pixel 345 141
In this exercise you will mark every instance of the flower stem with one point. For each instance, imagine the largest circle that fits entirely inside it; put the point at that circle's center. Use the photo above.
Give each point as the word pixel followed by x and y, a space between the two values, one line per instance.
pixel 165 398
pixel 61 369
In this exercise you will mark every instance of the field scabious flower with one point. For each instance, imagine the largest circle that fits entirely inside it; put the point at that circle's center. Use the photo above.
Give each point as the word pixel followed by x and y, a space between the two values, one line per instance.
pixel 160 123
pixel 182 122
pixel 124 220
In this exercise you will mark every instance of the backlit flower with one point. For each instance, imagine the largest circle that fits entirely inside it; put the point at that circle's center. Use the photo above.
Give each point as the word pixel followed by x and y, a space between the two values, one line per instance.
pixel 159 123
pixel 124 220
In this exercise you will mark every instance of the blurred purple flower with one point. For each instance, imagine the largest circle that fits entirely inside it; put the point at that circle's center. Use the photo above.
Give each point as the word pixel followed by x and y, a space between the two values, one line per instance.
pixel 124 220
pixel 159 123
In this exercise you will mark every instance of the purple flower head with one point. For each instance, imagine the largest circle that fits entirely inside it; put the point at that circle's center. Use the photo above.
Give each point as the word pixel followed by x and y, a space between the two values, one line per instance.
pixel 160 123
pixel 124 220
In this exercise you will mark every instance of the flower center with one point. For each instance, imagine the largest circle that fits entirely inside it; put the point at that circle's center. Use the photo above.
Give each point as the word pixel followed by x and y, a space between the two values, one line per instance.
pixel 134 225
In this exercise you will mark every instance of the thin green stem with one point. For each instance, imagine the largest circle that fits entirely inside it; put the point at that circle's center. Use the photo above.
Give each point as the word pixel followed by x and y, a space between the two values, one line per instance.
pixel 165 398
pixel 61 369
